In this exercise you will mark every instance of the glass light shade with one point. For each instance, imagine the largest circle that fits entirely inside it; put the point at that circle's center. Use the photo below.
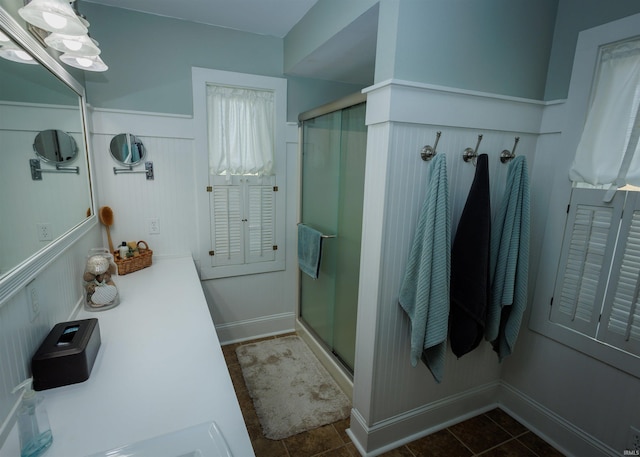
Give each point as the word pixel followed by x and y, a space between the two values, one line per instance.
pixel 89 63
pixel 12 52
pixel 81 45
pixel 53 16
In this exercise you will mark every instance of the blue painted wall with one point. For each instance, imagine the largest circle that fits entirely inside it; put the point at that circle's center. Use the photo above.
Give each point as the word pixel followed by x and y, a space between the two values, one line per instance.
pixel 573 17
pixel 150 59
pixel 496 46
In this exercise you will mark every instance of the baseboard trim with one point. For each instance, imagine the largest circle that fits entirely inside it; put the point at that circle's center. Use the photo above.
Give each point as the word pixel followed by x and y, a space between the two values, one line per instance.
pixel 383 436
pixel 249 329
pixel 553 428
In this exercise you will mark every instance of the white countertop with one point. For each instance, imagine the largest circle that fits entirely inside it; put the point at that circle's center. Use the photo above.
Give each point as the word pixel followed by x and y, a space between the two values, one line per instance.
pixel 159 369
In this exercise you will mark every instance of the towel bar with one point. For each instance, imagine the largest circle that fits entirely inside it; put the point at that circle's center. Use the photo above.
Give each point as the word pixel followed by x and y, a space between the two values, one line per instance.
pixel 322 236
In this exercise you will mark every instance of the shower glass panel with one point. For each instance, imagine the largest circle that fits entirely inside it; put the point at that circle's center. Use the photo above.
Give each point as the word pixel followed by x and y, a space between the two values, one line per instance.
pixel 334 147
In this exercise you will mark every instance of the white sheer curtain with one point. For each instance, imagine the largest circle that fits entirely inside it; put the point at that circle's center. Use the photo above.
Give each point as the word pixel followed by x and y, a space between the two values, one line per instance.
pixel 241 131
pixel 608 152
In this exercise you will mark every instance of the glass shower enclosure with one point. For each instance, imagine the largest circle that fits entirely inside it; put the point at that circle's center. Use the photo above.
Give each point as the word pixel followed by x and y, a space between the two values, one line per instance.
pixel 332 173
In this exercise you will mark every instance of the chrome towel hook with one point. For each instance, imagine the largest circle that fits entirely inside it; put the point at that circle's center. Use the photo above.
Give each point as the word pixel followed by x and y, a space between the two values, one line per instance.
pixel 471 154
pixel 505 156
pixel 428 152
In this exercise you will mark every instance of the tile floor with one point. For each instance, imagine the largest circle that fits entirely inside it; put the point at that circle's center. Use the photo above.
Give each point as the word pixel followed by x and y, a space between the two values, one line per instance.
pixel 493 434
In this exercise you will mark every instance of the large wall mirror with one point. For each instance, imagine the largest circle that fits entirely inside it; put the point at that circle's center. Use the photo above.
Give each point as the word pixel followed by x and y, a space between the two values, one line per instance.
pixel 40 218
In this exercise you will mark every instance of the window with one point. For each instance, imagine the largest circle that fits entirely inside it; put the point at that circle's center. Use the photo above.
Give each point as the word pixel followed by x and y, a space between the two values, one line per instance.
pixel 241 131
pixel 608 152
pixel 598 281
pixel 243 221
pixel 599 277
pixel 241 121
pixel 590 303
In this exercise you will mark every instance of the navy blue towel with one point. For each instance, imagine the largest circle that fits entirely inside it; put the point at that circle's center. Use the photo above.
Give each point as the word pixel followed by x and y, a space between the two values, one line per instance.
pixel 470 265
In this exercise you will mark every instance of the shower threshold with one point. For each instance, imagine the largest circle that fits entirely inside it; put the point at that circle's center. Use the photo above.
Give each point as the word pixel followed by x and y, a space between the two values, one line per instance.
pixel 332 362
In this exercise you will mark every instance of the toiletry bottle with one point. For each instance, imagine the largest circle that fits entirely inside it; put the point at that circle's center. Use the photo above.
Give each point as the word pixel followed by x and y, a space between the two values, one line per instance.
pixel 124 250
pixel 33 423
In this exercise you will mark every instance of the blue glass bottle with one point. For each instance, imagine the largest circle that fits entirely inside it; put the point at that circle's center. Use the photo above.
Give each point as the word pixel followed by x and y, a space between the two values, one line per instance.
pixel 33 423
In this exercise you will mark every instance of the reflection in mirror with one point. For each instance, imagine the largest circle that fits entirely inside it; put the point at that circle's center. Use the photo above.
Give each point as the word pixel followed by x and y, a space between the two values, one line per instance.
pixel 55 146
pixel 127 149
pixel 12 52
pixel 35 213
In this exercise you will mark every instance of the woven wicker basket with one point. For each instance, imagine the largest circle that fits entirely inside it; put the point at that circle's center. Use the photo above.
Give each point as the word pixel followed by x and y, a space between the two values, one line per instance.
pixel 131 264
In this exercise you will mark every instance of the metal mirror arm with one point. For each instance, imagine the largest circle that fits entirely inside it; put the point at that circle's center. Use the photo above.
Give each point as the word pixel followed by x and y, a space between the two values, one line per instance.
pixel 148 170
pixel 36 171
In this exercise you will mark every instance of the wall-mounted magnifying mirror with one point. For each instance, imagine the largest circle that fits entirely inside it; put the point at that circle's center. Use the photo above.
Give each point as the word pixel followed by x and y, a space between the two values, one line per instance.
pixel 55 146
pixel 127 149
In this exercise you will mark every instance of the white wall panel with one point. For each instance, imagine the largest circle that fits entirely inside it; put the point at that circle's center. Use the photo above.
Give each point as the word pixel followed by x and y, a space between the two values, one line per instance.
pixel 169 197
pixel 59 289
pixel 242 307
pixel 392 399
pixel 406 190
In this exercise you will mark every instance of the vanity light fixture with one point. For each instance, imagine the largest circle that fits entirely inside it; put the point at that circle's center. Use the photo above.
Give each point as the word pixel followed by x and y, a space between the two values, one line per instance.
pixel 67 32
pixel 53 16
pixel 83 62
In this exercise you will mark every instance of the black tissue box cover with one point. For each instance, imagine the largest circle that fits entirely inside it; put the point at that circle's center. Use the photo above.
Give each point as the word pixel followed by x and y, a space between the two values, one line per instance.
pixel 67 354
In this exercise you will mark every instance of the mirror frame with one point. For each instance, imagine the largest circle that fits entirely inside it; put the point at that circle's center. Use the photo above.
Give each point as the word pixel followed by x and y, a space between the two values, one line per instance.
pixel 18 277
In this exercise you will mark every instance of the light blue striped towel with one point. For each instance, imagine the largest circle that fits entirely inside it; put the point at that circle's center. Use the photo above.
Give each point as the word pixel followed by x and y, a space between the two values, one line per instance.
pixel 309 250
pixel 509 259
pixel 424 294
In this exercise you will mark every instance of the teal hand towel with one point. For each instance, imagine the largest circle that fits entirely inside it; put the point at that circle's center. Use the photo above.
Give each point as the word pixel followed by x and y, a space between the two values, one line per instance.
pixel 309 250
pixel 424 294
pixel 509 261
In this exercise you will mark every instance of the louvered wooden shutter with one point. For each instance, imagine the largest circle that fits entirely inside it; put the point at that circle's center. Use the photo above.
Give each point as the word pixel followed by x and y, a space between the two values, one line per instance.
pixel 261 222
pixel 620 324
pixel 587 250
pixel 226 228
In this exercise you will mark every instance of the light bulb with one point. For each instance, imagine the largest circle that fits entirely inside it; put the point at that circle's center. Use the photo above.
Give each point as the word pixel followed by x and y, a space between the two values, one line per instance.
pixel 3 38
pixel 73 45
pixel 55 21
pixel 84 62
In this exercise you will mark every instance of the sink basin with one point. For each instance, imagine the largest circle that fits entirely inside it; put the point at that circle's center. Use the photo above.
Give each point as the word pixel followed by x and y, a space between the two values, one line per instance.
pixel 204 440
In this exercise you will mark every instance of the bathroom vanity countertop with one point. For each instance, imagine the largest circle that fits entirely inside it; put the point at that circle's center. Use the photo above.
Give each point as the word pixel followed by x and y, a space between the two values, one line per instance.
pixel 160 369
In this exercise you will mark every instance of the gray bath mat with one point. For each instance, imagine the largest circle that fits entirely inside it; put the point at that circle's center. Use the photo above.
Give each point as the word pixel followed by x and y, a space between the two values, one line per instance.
pixel 291 391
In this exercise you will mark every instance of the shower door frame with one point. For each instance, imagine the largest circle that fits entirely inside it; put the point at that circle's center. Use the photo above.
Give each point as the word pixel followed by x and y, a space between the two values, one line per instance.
pixel 326 355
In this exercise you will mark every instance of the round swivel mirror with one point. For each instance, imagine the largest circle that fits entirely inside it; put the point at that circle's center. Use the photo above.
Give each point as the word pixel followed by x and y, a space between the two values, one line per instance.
pixel 127 149
pixel 55 146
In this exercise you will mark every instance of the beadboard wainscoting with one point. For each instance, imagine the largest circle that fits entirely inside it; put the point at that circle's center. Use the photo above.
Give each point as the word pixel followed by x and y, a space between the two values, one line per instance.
pixel 169 197
pixel 242 307
pixel 394 402
pixel 58 290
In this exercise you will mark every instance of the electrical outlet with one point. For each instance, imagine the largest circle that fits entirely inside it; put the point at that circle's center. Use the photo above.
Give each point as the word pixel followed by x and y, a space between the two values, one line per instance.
pixel 154 226
pixel 633 442
pixel 33 302
pixel 44 231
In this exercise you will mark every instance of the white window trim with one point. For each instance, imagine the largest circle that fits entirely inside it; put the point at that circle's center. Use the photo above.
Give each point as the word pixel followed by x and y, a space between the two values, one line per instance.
pixel 200 78
pixel 584 66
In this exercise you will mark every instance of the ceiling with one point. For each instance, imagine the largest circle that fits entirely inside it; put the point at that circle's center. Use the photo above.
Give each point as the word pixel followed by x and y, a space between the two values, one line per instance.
pixel 264 17
pixel 347 57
